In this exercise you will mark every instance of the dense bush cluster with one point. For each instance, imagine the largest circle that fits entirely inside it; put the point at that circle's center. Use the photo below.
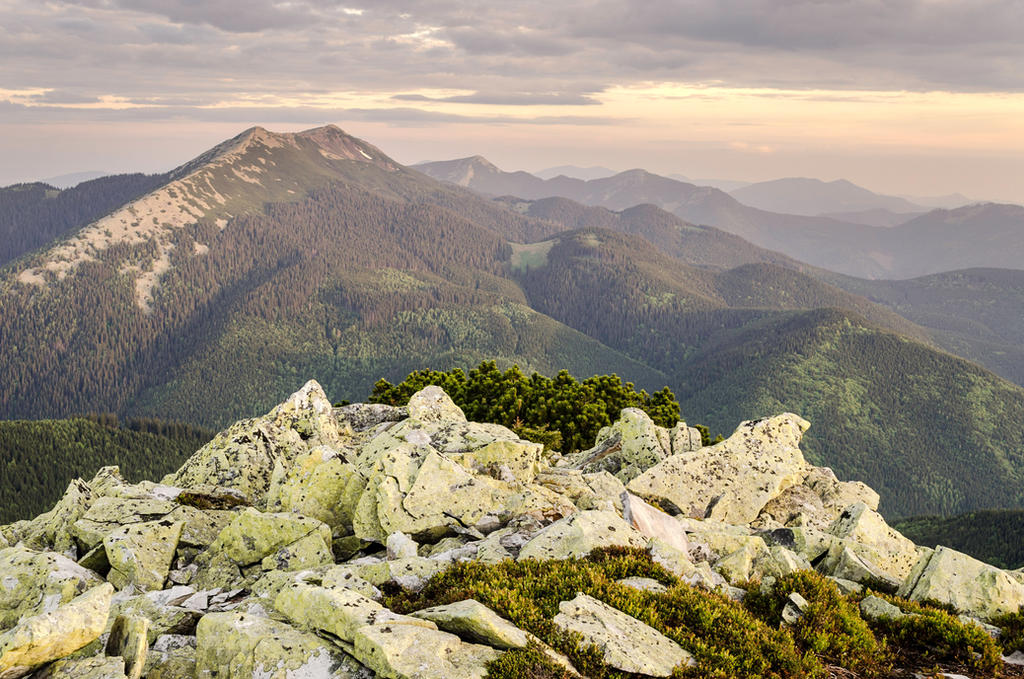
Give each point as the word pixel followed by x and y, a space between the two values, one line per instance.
pixel 727 638
pixel 560 411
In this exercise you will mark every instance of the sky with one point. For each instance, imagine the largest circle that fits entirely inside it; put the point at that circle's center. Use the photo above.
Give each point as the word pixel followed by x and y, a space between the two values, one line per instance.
pixel 920 97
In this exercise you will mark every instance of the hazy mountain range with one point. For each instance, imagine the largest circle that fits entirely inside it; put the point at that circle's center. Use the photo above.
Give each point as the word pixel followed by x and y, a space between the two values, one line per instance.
pixel 273 258
pixel 940 240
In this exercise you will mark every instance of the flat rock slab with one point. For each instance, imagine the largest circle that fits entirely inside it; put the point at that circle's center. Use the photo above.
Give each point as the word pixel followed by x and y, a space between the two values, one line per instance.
pixel 628 644
pixel 578 535
pixel 408 652
pixel 242 646
pixel 472 619
pixel 141 554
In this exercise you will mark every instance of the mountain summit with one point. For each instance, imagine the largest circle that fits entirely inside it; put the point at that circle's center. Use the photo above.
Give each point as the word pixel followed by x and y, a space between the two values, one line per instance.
pixel 233 178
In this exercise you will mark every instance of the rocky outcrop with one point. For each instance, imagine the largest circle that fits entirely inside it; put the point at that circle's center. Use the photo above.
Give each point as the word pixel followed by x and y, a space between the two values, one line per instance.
pixel 267 553
pixel 633 444
pixel 733 480
pixel 965 583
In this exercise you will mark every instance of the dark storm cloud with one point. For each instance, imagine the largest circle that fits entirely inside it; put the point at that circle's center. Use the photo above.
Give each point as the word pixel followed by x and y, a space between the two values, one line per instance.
pixel 512 53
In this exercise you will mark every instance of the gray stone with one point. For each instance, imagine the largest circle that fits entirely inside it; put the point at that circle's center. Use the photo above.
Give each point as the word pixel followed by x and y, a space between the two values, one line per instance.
pixel 472 620
pixel 969 585
pixel 407 652
pixel 627 644
pixel 732 480
pixel 580 534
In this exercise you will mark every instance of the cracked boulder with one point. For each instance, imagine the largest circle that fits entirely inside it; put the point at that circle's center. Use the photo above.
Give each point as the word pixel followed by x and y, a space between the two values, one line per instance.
pixel 732 480
pixel 633 444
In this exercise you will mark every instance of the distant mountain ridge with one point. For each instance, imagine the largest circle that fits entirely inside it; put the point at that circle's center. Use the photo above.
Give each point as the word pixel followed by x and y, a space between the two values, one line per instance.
pixel 805 196
pixel 989 234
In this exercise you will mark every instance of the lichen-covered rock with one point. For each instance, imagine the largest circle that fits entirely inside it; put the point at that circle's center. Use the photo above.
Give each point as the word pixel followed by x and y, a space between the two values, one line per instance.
pixel 409 573
pixel 969 585
pixel 732 480
pixel 49 636
pixel 596 490
pixel 50 531
pixel 866 534
pixel 521 459
pixel 363 416
pixel 273 540
pixel 172 656
pixel 108 514
pixel 626 643
pixel 320 484
pixel 401 546
pixel 129 639
pixel 630 446
pixel 873 608
pixel 141 554
pixel 246 454
pixel 431 404
pixel 98 667
pixel 471 619
pixel 408 652
pixel 239 645
pixel 416 490
pixel 38 582
pixel 578 535
pixel 339 612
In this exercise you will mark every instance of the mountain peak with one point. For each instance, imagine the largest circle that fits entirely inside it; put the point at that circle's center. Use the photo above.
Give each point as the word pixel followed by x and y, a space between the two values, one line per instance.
pixel 235 177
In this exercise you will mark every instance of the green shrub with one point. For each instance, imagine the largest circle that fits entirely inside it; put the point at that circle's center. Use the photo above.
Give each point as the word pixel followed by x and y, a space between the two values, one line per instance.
pixel 725 639
pixel 525 663
pixel 831 626
pixel 939 636
pixel 1012 625
pixel 574 410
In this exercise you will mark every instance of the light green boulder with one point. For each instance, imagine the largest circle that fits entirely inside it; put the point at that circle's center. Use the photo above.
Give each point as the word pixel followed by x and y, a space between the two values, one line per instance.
pixel 99 667
pixel 255 542
pixel 129 639
pixel 108 514
pixel 579 534
pixel 971 586
pixel 245 456
pixel 319 484
pixel 431 404
pixel 471 620
pixel 866 534
pixel 626 643
pixel 409 652
pixel 38 582
pixel 254 535
pixel 51 531
pixel 141 554
pixel 521 459
pixel 627 448
pixel 339 612
pixel 42 638
pixel 172 656
pixel 732 480
pixel 240 645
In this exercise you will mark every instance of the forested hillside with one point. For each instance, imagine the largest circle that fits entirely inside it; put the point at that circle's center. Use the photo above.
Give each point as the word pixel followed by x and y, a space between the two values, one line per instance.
pixel 994 536
pixel 32 215
pixel 40 457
